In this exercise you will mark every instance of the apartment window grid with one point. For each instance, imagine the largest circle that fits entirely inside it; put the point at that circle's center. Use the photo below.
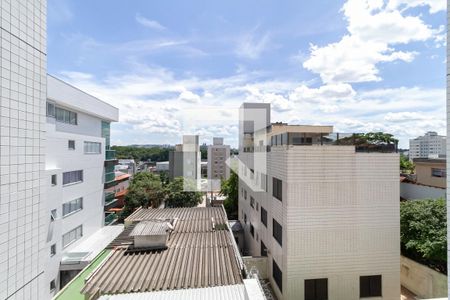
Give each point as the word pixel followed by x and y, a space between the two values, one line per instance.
pixel 72 177
pixel 72 206
pixel 277 188
pixel 277 232
pixel 277 275
pixel 264 216
pixel 92 148
pixel 72 236
pixel 370 286
pixel 316 289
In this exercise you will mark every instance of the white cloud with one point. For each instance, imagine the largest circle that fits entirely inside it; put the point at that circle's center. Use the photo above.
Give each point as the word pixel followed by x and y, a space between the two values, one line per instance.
pixel 251 45
pixel 434 5
pixel 152 24
pixel 374 29
pixel 189 97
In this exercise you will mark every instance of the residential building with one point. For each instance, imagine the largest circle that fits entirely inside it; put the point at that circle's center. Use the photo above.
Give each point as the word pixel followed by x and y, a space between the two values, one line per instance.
pixel 325 213
pixel 429 144
pixel 431 172
pixel 76 156
pixel 218 155
pixel 22 135
pixel 162 166
pixel 179 253
pixel 127 166
pixel 185 159
pixel 121 190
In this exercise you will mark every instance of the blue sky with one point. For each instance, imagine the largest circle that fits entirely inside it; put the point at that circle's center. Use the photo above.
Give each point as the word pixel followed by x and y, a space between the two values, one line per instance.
pixel 175 67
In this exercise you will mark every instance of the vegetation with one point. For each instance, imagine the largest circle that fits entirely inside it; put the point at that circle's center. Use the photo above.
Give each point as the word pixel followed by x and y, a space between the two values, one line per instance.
pixel 370 138
pixel 150 190
pixel 178 197
pixel 423 232
pixel 141 153
pixel 406 166
pixel 230 189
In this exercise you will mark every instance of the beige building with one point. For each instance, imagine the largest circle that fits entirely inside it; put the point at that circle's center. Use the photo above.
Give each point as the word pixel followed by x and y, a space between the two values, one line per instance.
pixel 218 154
pixel 431 172
pixel 325 215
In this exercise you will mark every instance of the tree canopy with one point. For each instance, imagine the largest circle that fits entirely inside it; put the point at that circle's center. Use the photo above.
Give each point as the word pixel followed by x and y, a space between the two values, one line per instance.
pixel 406 165
pixel 178 197
pixel 230 189
pixel 423 232
pixel 370 138
pixel 142 153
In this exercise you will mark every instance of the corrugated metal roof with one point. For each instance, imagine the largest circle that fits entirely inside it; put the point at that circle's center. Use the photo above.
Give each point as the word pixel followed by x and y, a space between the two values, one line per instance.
pixel 198 255
pixel 228 292
pixel 154 227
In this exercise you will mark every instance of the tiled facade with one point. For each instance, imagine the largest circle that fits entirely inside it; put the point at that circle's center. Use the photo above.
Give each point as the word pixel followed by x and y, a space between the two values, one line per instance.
pixel 22 121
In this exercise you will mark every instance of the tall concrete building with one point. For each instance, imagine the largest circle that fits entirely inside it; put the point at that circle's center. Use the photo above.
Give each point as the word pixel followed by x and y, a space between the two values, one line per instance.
pixel 218 154
pixel 185 159
pixel 22 161
pixel 76 156
pixel 429 145
pixel 324 213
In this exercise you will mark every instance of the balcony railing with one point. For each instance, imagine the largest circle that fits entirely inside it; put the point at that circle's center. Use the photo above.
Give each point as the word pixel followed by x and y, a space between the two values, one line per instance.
pixel 110 196
pixel 110 154
pixel 110 218
pixel 109 177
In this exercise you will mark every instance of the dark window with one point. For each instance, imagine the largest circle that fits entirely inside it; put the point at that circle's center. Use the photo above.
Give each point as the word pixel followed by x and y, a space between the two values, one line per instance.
pixel 316 289
pixel 50 109
pixel 370 286
pixel 54 181
pixel 263 249
pixel 245 218
pixel 72 177
pixel 245 194
pixel 252 202
pixel 52 249
pixel 263 216
pixel 277 275
pixel 438 172
pixel 277 232
pixel 71 145
pixel 52 285
pixel 252 230
pixel 277 188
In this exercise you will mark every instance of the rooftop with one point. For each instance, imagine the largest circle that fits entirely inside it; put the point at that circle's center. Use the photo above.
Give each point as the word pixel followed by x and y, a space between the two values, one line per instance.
pixel 200 253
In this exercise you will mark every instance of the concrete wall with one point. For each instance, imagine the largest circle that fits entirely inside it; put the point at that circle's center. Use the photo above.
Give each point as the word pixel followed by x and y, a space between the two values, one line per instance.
pixel 424 171
pixel 413 191
pixel 421 280
pixel 259 263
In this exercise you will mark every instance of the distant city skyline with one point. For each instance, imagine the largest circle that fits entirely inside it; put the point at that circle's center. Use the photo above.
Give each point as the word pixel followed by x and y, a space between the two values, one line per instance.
pixel 358 65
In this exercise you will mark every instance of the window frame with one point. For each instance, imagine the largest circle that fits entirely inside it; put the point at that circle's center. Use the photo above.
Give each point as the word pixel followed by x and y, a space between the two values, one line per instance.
pixel 69 173
pixel 319 286
pixel 277 275
pixel 88 146
pixel 263 216
pixel 78 234
pixel 55 181
pixel 277 232
pixel 277 188
pixel 71 145
pixel 77 203
pixel 52 250
pixel 373 290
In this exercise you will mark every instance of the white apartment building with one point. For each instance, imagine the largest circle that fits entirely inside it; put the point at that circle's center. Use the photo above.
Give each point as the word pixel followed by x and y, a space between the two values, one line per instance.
pixel 76 173
pixel 325 215
pixel 23 60
pixel 185 160
pixel 218 154
pixel 429 145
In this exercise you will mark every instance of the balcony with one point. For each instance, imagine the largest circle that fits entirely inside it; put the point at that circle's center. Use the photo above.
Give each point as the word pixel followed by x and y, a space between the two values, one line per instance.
pixel 110 218
pixel 110 179
pixel 110 200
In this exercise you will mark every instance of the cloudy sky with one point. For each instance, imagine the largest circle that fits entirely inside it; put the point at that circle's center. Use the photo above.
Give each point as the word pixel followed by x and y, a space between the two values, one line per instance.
pixel 174 67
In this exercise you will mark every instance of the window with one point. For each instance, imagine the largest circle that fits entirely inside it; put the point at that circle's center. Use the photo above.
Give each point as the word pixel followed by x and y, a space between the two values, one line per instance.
pixel 264 182
pixel 277 232
pixel 72 206
pixel 277 275
pixel 245 194
pixel 72 236
pixel 66 116
pixel 277 188
pixel 370 286
pixel 52 285
pixel 52 249
pixel 52 215
pixel 252 202
pixel 245 219
pixel 71 145
pixel 92 148
pixel 264 216
pixel 50 109
pixel 252 230
pixel 263 249
pixel 316 289
pixel 54 177
pixel 438 172
pixel 72 177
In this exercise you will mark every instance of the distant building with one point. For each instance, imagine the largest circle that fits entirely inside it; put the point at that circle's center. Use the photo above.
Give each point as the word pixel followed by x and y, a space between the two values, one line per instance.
pixel 429 144
pixel 185 159
pixel 326 215
pixel 218 154
pixel 127 166
pixel 171 253
pixel 162 166
pixel 431 172
pixel 77 155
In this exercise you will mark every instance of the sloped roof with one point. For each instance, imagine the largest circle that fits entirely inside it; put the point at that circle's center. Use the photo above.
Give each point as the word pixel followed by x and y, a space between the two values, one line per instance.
pixel 154 227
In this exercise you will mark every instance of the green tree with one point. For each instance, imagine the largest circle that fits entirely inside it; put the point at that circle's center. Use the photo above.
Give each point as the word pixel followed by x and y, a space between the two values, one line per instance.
pixel 145 190
pixel 423 231
pixel 142 153
pixel 230 189
pixel 178 197
pixel 406 165
pixel 370 138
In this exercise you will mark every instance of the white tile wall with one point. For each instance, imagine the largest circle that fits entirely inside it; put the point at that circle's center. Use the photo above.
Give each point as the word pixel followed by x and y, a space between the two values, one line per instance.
pixel 22 128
